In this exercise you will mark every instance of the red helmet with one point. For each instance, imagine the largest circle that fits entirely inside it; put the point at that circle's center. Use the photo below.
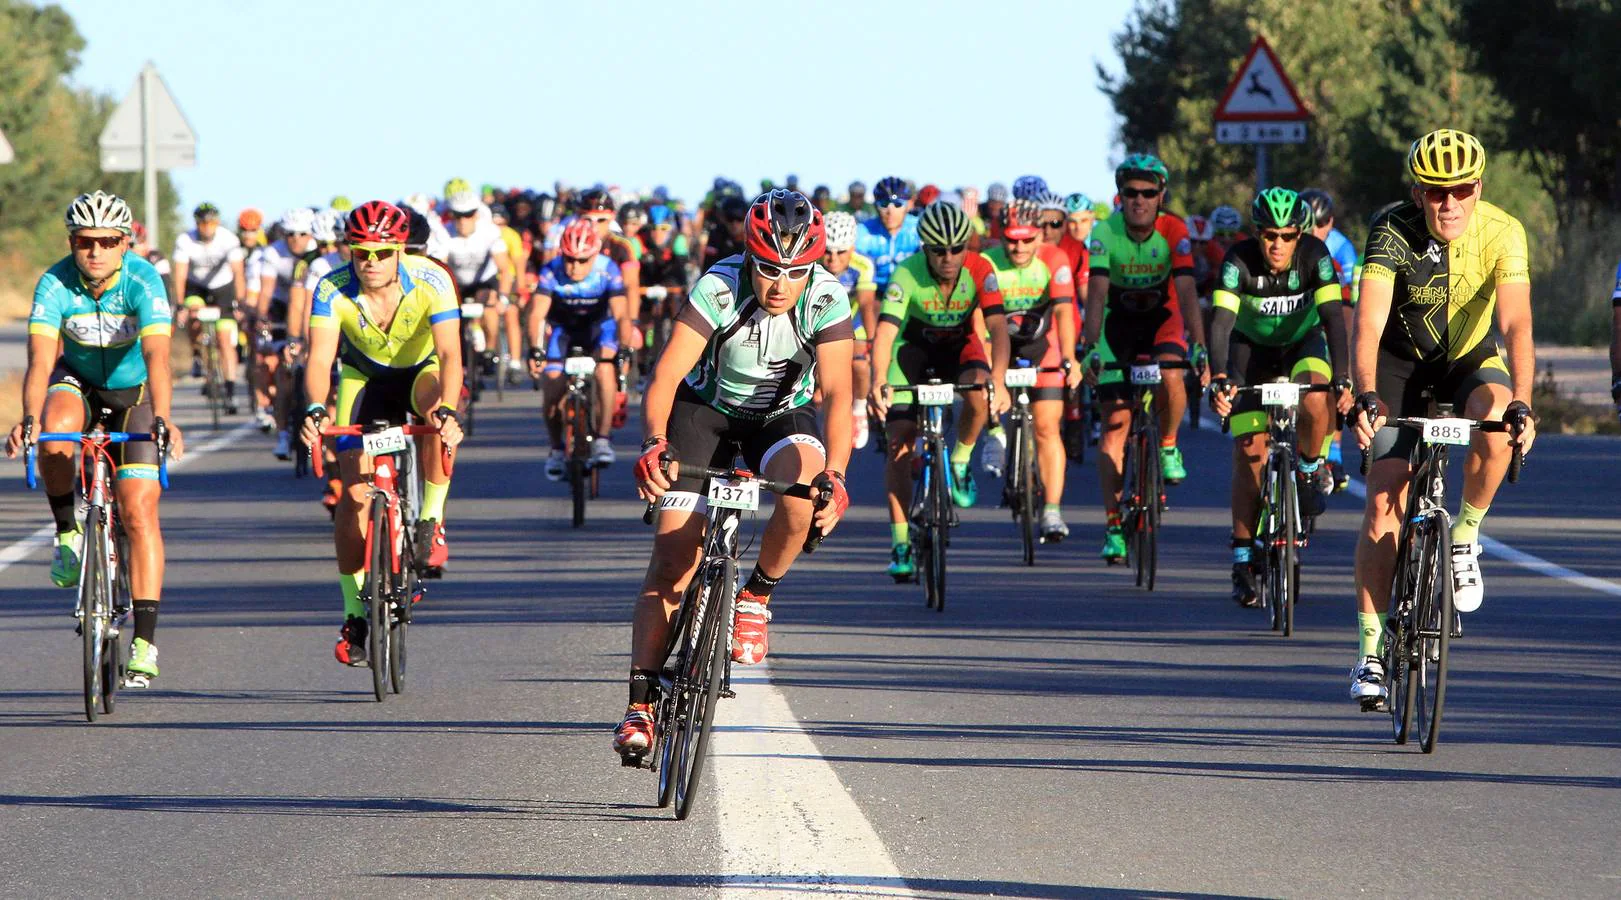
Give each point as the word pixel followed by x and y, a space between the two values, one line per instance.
pixel 579 240
pixel 927 194
pixel 1013 222
pixel 785 228
pixel 377 222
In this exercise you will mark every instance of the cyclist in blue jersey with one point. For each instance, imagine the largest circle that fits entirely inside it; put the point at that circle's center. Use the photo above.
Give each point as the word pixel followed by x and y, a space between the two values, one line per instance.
pixel 1615 344
pixel 581 296
pixel 98 350
pixel 1346 267
pixel 892 237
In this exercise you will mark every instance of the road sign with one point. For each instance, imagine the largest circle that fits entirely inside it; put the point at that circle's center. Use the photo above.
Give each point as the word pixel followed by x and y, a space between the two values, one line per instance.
pixel 1260 132
pixel 123 141
pixel 1260 92
pixel 6 154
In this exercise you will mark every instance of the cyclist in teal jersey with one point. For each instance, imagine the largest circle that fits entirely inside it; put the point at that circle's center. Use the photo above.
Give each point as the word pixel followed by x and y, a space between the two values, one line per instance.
pixel 98 350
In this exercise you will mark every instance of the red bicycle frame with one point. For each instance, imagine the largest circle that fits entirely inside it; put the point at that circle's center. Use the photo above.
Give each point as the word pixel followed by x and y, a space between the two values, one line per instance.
pixel 382 481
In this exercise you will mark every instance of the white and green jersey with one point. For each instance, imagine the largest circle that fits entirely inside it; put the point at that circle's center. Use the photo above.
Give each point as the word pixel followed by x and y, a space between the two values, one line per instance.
pixel 758 365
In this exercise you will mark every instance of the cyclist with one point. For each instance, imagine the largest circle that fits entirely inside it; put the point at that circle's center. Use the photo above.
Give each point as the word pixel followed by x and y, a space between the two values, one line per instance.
pixel 855 273
pixel 392 321
pixel 1435 271
pixel 1053 217
pixel 1038 296
pixel 1140 294
pixel 665 251
pixel 250 229
pixel 208 270
pixel 723 238
pixel 857 204
pixel 581 298
pixel 477 257
pixel 98 339
pixel 518 250
pixel 761 334
pixel 1278 302
pixel 1615 343
pixel 1079 220
pixel 992 208
pixel 277 265
pixel 1347 267
pixel 927 328
pixel 892 236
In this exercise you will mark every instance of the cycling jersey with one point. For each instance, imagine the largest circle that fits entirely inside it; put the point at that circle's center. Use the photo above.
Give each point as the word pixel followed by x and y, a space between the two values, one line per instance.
pixel 887 250
pixel 1028 293
pixel 428 298
pixel 209 262
pixel 665 265
pixel 101 338
pixel 583 302
pixel 1616 298
pixel 914 304
pixel 253 267
pixel 320 267
pixel 1080 265
pixel 472 258
pixel 1141 273
pixel 1276 310
pixel 279 262
pixel 1344 253
pixel 757 365
pixel 625 251
pixel 858 276
pixel 1443 293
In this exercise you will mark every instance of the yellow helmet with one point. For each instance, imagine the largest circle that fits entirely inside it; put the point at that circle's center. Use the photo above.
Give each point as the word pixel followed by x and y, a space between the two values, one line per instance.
pixel 1445 157
pixel 455 186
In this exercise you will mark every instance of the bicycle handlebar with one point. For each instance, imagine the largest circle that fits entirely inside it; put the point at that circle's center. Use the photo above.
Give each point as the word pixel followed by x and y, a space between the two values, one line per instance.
pixel 318 464
pixel 821 497
pixel 1118 366
pixel 1256 389
pixel 31 453
pixel 1514 430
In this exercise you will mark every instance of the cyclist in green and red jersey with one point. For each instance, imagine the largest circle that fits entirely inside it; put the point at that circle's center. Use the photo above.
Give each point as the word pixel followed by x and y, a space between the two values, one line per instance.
pixel 1140 295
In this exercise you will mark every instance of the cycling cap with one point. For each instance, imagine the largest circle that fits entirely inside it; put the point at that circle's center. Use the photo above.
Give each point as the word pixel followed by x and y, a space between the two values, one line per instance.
pixel 1321 205
pixel 250 220
pixel 1226 220
pixel 891 188
pixel 1077 202
pixel 298 220
pixel 580 240
pixel 1027 187
pixel 204 211
pixel 996 193
pixel 377 222
pixel 463 202
pixel 1278 207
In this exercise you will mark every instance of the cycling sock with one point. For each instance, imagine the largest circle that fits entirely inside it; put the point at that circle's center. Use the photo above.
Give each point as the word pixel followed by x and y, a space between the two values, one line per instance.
pixel 64 511
pixel 433 500
pixel 961 453
pixel 1050 508
pixel 900 533
pixel 1242 547
pixel 1167 443
pixel 1371 627
pixel 1309 465
pixel 760 584
pixel 230 390
pixel 1331 448
pixel 146 619
pixel 350 583
pixel 1467 529
pixel 996 431
pixel 642 683
pixel 859 407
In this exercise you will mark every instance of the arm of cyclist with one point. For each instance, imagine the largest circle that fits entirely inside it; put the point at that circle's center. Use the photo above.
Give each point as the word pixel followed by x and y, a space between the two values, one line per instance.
pixel 681 353
pixel 1223 316
pixel 1064 322
pixel 42 353
pixel 239 280
pixel 538 309
pixel 1001 350
pixel 1331 312
pixel 883 350
pixel 833 363
pixel 619 307
pixel 1372 312
pixel 160 381
pixel 505 271
pixel 1193 319
pixel 323 350
pixel 1514 323
pixel 1097 293
pixel 447 345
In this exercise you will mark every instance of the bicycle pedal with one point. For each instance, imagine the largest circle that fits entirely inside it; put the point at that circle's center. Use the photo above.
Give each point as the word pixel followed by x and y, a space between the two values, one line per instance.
pixel 1116 560
pixel 728 694
pixel 433 572
pixel 633 761
pixel 1374 704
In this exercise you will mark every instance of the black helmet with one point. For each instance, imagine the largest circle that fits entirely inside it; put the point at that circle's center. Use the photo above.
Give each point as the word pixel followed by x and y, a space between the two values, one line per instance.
pixel 596 200
pixel 418 231
pixel 1322 205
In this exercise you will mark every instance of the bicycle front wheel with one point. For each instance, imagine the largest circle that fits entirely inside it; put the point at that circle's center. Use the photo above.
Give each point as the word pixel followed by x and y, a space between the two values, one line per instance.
pixel 938 531
pixel 216 386
pixel 1400 637
pixel 399 621
pixel 674 706
pixel 376 588
pixel 1286 573
pixel 1024 491
pixel 708 674
pixel 1433 615
pixel 93 603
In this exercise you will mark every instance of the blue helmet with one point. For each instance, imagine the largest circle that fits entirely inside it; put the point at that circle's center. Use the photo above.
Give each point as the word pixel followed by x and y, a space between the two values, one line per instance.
pixel 661 194
pixel 1029 187
pixel 1077 202
pixel 996 193
pixel 659 214
pixel 891 188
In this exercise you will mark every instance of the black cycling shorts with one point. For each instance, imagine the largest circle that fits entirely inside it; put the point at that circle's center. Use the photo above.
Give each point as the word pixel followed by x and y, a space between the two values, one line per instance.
pixel 701 435
pixel 128 409
pixel 1403 383
pixel 223 297
pixel 1249 364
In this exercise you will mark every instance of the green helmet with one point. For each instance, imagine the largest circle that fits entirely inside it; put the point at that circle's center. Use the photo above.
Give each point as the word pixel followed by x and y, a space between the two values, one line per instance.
pixel 943 224
pixel 1278 207
pixel 1142 165
pixel 205 211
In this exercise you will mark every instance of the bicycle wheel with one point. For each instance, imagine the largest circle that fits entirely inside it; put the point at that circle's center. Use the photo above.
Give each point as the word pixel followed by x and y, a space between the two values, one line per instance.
pixel 1286 572
pixel 376 588
pixel 1399 639
pixel 674 705
pixel 1266 530
pixel 1433 614
pixel 708 673
pixel 938 534
pixel 500 376
pixel 1022 471
pixel 399 621
pixel 115 650
pixel 211 375
pixel 93 602
pixel 1152 507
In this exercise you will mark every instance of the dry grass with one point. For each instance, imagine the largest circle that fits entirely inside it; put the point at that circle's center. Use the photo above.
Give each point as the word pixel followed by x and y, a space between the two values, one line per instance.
pixel 1560 413
pixel 11 398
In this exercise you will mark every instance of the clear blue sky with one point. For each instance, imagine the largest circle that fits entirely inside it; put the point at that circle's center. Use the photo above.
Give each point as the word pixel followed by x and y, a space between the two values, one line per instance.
pixel 293 102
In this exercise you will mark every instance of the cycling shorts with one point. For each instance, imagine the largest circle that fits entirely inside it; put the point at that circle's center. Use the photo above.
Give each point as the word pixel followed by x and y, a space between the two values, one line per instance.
pixel 916 362
pixel 599 338
pixel 389 395
pixel 1250 363
pixel 1402 384
pixel 1157 333
pixel 128 410
pixel 471 291
pixel 703 435
pixel 1042 352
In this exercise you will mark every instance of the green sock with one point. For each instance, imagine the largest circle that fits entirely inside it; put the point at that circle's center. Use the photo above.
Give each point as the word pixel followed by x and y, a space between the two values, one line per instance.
pixel 1371 627
pixel 1467 529
pixel 350 583
pixel 961 453
pixel 433 500
pixel 1049 508
pixel 900 533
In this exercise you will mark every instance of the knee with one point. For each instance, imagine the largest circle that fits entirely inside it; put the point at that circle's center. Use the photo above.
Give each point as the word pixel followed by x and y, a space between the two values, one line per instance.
pixel 670 567
pixel 140 514
pixel 1250 449
pixel 355 495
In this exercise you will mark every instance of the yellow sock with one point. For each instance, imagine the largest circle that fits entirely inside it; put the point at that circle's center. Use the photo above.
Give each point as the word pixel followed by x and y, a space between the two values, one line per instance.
pixel 433 500
pixel 1467 529
pixel 899 533
pixel 1371 628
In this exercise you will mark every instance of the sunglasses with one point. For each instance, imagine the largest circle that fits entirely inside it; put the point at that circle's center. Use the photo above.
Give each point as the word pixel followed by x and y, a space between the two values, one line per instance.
pixel 293 234
pixel 1457 191
pixel 947 251
pixel 1053 223
pixel 772 271
pixel 85 242
pixel 372 254
pixel 1018 242
pixel 465 215
pixel 1287 237
pixel 893 201
pixel 578 260
pixel 598 220
pixel 1134 193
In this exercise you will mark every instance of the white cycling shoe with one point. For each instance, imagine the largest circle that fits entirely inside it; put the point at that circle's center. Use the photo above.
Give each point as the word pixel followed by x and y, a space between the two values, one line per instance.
pixel 1468 588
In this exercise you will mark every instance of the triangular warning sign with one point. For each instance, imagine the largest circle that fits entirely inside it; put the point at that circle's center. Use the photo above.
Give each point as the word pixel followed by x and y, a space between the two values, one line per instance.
pixel 1260 92
pixel 169 124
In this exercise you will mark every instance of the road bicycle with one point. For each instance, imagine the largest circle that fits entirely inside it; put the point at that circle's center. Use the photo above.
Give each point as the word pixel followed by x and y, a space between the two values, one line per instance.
pixel 472 363
pixel 1142 492
pixel 578 409
pixel 208 348
pixel 932 514
pixel 1022 491
pixel 104 603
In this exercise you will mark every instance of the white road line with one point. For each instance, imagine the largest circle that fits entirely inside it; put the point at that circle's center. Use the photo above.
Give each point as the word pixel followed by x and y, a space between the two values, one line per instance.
pixel 1528 561
pixel 787 824
pixel 19 550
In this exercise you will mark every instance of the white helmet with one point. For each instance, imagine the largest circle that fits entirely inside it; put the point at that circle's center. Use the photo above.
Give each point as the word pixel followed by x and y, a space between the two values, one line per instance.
pixel 298 220
pixel 420 202
pixel 98 210
pixel 841 231
pixel 465 202
pixel 328 222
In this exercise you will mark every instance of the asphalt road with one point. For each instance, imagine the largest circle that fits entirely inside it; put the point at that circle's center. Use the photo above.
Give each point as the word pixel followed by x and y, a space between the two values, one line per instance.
pixel 1055 732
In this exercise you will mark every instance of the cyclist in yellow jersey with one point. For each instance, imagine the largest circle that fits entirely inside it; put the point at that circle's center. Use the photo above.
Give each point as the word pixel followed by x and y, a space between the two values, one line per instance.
pixel 1437 272
pixel 393 322
pixel 512 311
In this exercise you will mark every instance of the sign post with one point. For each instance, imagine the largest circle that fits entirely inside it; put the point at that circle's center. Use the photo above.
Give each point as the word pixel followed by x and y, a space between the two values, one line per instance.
pixel 1261 107
pixel 6 153
pixel 148 132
